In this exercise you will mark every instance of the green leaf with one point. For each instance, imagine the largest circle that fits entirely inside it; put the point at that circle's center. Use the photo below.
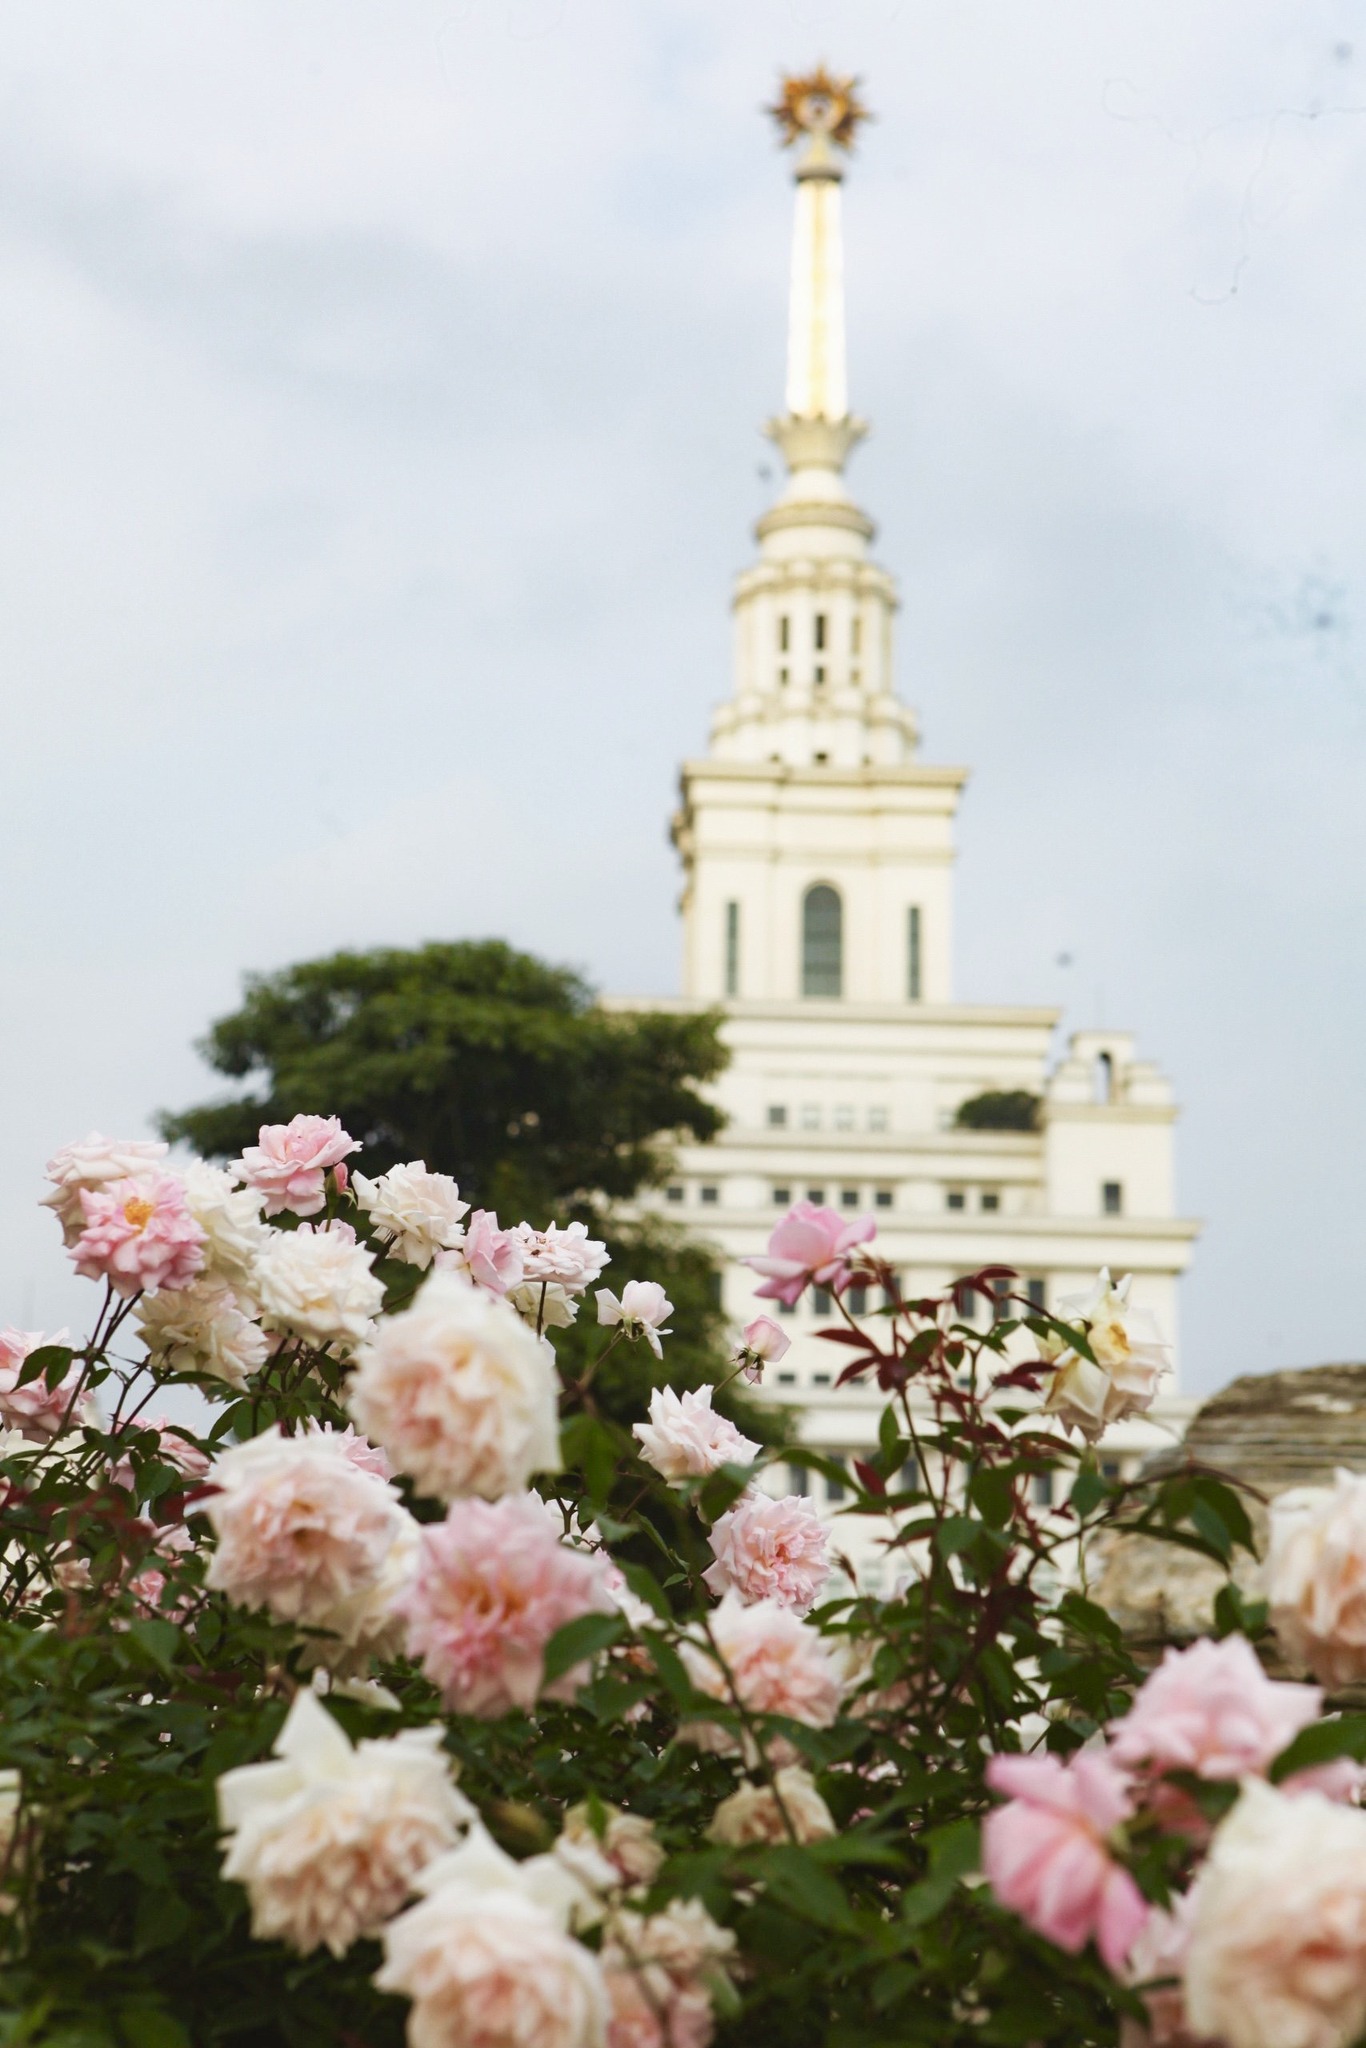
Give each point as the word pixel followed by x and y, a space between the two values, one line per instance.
pixel 578 1640
pixel 145 2026
pixel 801 1884
pixel 956 1533
pixel 1319 1743
pixel 52 1359
pixel 159 1640
pixel 992 1494
pixel 1088 1491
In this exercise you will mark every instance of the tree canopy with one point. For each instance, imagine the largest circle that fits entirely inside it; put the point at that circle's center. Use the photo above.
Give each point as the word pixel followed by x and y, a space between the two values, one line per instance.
pixel 1000 1109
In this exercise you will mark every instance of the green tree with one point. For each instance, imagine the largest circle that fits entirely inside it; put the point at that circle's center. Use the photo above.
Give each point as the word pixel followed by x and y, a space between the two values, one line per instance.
pixel 1000 1109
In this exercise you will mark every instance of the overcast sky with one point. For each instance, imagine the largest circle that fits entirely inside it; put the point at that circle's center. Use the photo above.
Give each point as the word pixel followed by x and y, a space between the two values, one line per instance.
pixel 379 388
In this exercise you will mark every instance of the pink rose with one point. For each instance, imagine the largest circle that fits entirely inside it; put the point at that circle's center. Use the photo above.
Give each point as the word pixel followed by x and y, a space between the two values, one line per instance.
pixel 776 1663
pixel 289 1162
pixel 139 1235
pixel 489 1257
pixel 492 1585
pixel 686 1439
pixel 769 1549
pixel 810 1245
pixel 37 1409
pixel 1046 1855
pixel 641 1312
pixel 566 1254
pixel 1212 1709
pixel 762 1343
pixel 93 1164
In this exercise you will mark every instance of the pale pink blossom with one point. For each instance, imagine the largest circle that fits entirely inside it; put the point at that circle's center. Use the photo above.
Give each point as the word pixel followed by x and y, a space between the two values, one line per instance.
pixel 1277 1949
pixel 788 1810
pixel 662 1970
pixel 491 1586
pixel 768 1549
pixel 486 1957
pixel 627 1845
pixel 562 1252
pixel 1129 1359
pixel 178 1449
pixel 328 1840
pixel 316 1283
pixel 139 1235
pixel 1155 1968
pixel 367 1457
pixel 38 1410
pixel 761 1343
pixel 1316 1577
pixel 462 1395
pixel 289 1162
pixel 774 1662
pixel 640 1312
pixel 149 1583
pixel 204 1329
pixel 810 1246
pixel 230 1217
pixel 416 1213
pixel 1047 1857
pixel 1212 1709
pixel 489 1257
pixel 306 1532
pixel 90 1165
pixel 686 1439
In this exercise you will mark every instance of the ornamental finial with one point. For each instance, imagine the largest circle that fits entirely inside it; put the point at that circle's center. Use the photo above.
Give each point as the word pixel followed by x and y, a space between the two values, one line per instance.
pixel 819 105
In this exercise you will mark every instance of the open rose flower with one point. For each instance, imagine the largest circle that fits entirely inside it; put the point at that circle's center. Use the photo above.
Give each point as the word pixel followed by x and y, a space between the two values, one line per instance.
pixel 626 1845
pixel 1316 1577
pixel 316 1283
pixel 1212 1709
pixel 562 1253
pixel 762 1343
pixel 642 1311
pixel 91 1165
pixel 662 1971
pixel 774 1662
pixel 768 1549
pixel 811 1246
pixel 1129 1360
pixel 1046 1852
pixel 289 1162
pixel 461 1394
pixel 328 1839
pixel 491 1586
pixel 139 1235
pixel 230 1218
pixel 489 1257
pixel 686 1439
pixel 202 1328
pixel 415 1212
pixel 1277 1949
pixel 790 1809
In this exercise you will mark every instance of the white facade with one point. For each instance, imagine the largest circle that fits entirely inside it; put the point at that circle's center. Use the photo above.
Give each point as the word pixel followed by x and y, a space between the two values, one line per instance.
pixel 817 853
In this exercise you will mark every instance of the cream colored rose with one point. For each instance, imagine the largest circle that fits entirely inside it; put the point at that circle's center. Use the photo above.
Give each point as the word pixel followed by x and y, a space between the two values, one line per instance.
pixel 460 1393
pixel 418 1213
pixel 1277 1955
pixel 1129 1359
pixel 1316 1577
pixel 755 1813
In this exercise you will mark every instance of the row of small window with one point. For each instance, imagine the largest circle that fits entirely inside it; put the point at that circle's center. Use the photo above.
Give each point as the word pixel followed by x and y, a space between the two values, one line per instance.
pixel 823 945
pixel 843 1117
pixel 849 1198
pixel 1002 1302
pixel 820 633
pixel 1047 1489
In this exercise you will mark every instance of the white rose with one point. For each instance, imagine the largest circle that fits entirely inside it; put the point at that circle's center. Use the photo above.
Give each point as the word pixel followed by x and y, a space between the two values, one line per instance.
pixel 417 1212
pixel 686 1439
pixel 317 1284
pixel 460 1393
pixel 202 1329
pixel 1277 1955
pixel 543 1304
pixel 328 1840
pixel 230 1217
pixel 754 1814
pixel 1130 1359
pixel 564 1253
pixel 1316 1577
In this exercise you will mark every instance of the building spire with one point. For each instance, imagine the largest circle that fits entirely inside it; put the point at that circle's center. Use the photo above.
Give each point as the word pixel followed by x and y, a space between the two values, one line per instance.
pixel 823 113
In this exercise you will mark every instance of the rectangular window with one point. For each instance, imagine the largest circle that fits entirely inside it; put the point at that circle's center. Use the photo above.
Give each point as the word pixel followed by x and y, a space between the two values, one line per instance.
pixel 783 632
pixel 991 1201
pixel 818 636
pixel 811 1116
pixel 732 949
pixel 858 1300
pixel 787 1379
pixel 820 1302
pixel 777 1115
pixel 820 678
pixel 816 1195
pixel 782 1198
pixel 1037 1291
pixel 956 1199
pixel 1041 1488
pixel 855 634
pixel 820 1379
pixel 798 1478
pixel 711 1195
pixel 848 1198
pixel 913 953
pixel 674 1193
pixel 834 1488
pixel 782 675
pixel 1112 1198
pixel 844 1117
pixel 882 1199
pixel 787 1308
pixel 878 1119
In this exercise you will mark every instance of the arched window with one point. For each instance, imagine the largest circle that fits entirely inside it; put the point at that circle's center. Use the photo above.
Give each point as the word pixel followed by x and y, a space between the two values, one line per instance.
pixel 822 942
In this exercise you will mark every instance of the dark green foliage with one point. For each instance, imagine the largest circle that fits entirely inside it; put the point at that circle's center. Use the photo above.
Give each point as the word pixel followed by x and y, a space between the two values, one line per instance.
pixel 1000 1109
pixel 484 1062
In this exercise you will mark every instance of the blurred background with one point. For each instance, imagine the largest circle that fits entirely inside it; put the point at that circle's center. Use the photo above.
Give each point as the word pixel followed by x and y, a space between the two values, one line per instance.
pixel 379 395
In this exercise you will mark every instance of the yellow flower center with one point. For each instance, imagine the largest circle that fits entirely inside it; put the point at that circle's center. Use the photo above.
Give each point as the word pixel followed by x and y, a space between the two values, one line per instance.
pixel 138 1211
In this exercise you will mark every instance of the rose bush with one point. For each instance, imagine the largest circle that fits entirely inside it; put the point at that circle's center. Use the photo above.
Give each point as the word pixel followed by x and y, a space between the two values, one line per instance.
pixel 405 1689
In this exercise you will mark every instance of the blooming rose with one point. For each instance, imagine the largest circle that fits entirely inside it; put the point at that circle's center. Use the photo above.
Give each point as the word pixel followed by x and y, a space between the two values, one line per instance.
pixel 230 1217
pixel 416 1212
pixel 37 1409
pixel 90 1165
pixel 289 1162
pixel 1277 1955
pixel 1046 1852
pixel 1212 1709
pixel 316 1283
pixel 769 1549
pixel 761 1343
pixel 810 1245
pixel 543 1305
pixel 660 1973
pixel 685 1439
pixel 775 1663
pixel 486 1959
pixel 790 1808
pixel 139 1235
pixel 640 1312
pixel 627 1843
pixel 491 1586
pixel 461 1394
pixel 305 1531
pixel 1316 1577
pixel 490 1257
pixel 562 1252
pixel 1130 1358
pixel 202 1329
pixel 328 1840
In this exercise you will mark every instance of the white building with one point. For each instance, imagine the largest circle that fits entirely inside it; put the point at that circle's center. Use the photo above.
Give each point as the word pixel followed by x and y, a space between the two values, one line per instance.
pixel 817 850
